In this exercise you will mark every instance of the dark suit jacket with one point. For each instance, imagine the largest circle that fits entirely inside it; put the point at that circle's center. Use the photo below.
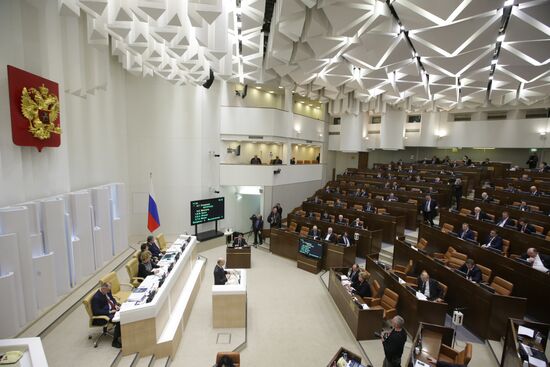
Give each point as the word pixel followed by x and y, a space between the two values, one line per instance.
pixel 435 290
pixel 487 200
pixel 311 233
pixel 100 306
pixel 236 242
pixel 482 216
pixel 362 289
pixel 369 210
pixel 529 229
pixel 154 249
pixel 496 244
pixel 353 276
pixel 507 222
pixel 355 225
pixel 332 238
pixel 466 235
pixel 342 241
pixel 474 274
pixel 326 219
pixel 274 220
pixel 433 204
pixel 258 225
pixel 142 271
pixel 525 208
pixel 219 275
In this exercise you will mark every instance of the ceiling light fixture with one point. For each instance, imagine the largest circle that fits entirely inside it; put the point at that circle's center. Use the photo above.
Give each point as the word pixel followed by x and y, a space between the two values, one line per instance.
pixel 258 87
pixel 508 3
pixel 500 38
pixel 494 61
pixel 280 87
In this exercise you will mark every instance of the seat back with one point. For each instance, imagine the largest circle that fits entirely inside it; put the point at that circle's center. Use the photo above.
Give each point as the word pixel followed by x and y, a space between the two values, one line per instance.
pixel 465 212
pixel 491 216
pixel 534 208
pixel 485 273
pixel 132 268
pixel 163 245
pixel 389 299
pixel 505 247
pixel 113 279
pixel 379 197
pixel 457 260
pixel 382 211
pixel 538 229
pixel 331 218
pixel 443 289
pixel 449 253
pixel 304 231
pixel 422 243
pixel 292 227
pixel 375 288
pixel 516 203
pixel 361 223
pixel 475 234
pixel 465 356
pixel 357 207
pixel 446 228
pixel 317 215
pixel 330 202
pixel 501 286
pixel 87 302
pixel 412 201
pixel 415 189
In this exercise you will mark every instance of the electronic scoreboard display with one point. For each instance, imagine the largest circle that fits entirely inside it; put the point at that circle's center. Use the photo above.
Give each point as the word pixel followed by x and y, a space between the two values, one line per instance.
pixel 207 210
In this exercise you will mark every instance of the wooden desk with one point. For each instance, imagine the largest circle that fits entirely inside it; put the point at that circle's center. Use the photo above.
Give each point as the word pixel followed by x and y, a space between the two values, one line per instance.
pixel 433 336
pixel 539 219
pixel 528 282
pixel 370 241
pixel 363 323
pixel 519 242
pixel 390 225
pixel 485 313
pixel 409 307
pixel 238 258
pixel 286 244
pixel 510 351
pixel 394 208
pixel 507 198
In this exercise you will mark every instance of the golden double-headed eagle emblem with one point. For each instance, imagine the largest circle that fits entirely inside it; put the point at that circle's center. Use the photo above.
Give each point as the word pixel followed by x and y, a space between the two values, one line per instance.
pixel 41 108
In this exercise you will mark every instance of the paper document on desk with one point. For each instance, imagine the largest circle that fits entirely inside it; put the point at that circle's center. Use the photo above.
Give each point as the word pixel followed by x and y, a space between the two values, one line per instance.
pixel 343 277
pixel 536 362
pixel 136 297
pixel 522 330
pixel 401 281
pixel 345 282
pixel 415 249
pixel 421 296
pixel 420 364
pixel 365 306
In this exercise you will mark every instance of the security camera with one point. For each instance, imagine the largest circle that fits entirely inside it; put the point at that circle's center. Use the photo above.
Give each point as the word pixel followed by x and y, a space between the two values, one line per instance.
pixel 217 155
pixel 277 171
pixel 216 192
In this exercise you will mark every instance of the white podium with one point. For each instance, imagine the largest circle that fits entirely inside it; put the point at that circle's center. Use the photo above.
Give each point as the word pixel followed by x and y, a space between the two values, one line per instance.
pixel 229 302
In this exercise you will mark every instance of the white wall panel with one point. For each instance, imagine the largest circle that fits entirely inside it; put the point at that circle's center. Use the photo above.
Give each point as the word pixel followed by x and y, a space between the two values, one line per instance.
pixel 9 306
pixel 101 203
pixel 81 219
pixel 392 129
pixel 9 263
pixel 119 217
pixel 44 273
pixel 55 240
pixel 351 132
pixel 16 220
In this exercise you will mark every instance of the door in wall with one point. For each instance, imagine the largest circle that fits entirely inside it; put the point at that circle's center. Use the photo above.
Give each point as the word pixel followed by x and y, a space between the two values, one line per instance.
pixel 363 162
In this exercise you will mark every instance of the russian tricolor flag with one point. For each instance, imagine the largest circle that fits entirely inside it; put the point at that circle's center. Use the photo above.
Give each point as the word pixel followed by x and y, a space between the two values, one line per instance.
pixel 153 220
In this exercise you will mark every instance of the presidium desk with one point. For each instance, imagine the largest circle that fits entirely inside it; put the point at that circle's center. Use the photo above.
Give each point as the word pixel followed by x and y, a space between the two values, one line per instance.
pixel 156 327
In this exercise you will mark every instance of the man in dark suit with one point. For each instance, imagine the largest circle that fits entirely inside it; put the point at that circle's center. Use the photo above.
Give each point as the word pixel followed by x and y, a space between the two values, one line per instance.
pixel 494 241
pixel 369 208
pixel 538 261
pixel 357 224
pixel 478 214
pixel 466 233
pixel 429 287
pixel 153 248
pixel 505 220
pixel 392 197
pixel 524 207
pixel 258 227
pixel 534 191
pixel 104 304
pixel 279 209
pixel 353 273
pixel 315 200
pixel 220 277
pixel 325 217
pixel 340 219
pixel 277 160
pixel 429 209
pixel 510 188
pixel 274 218
pixel 239 241
pixel 525 227
pixel 315 233
pixel 338 204
pixel 345 240
pixel 329 236
pixel 255 160
pixel 393 343
pixel 485 198
pixel 471 270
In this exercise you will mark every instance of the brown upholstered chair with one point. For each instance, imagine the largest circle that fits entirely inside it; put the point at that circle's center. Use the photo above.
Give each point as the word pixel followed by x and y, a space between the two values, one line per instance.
pixel 415 189
pixel 161 241
pixel 344 205
pixel 485 273
pixel 292 227
pixel 330 202
pixel 534 208
pixel 382 211
pixel 304 231
pixel 446 228
pixel 132 270
pixel 379 197
pixel 331 217
pixel 374 288
pixel 358 207
pixel 491 216
pixel 403 270
pixel 317 215
pixel 465 212
pixel 538 229
pixel 449 355
pixel 505 247
pixel 446 256
pixel 120 295
pixel 422 244
pixel 516 203
pixel 235 357
pixel 457 260
pixel 412 201
pixel 388 303
pixel 443 290
pixel 301 213
pixel 501 286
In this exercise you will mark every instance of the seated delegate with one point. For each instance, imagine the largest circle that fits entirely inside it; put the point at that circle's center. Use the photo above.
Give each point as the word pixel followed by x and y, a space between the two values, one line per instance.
pixel 239 241
pixel 146 266
pixel 104 304
pixel 361 287
pixel 471 270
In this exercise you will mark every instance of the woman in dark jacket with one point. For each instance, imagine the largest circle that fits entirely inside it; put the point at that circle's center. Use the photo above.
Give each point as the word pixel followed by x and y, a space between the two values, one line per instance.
pixel 146 267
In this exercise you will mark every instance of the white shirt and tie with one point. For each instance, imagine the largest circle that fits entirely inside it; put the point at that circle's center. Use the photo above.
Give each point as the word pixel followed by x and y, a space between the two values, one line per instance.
pixel 346 241
pixel 327 237
pixel 502 223
pixel 428 206
pixel 427 289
